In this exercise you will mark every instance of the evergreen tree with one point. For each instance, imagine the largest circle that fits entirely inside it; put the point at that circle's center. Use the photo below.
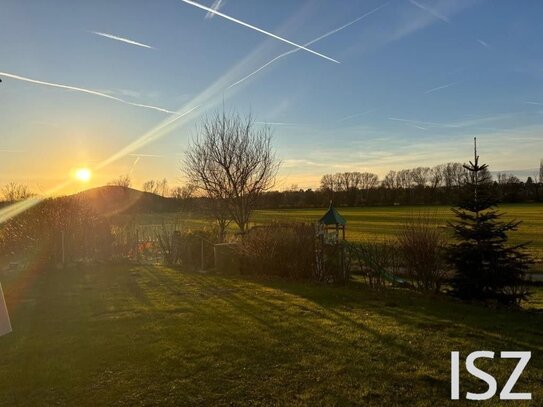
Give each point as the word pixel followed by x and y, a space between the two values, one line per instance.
pixel 486 267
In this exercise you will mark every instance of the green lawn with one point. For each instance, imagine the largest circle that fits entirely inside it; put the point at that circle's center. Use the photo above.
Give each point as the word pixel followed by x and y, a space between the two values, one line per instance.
pixel 377 223
pixel 371 223
pixel 149 335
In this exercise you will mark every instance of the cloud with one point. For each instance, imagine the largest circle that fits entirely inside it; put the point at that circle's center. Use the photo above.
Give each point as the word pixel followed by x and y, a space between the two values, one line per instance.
pixel 352 116
pixel 431 11
pixel 146 155
pixel 216 6
pixel 122 39
pixel 88 91
pixel 277 123
pixel 307 44
pixel 260 30
pixel 440 87
pixel 483 43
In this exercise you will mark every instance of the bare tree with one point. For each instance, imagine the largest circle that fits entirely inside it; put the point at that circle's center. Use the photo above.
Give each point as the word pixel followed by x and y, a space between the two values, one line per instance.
pixel 436 176
pixel 541 171
pixel 329 183
pixel 232 162
pixel 420 176
pixel 13 192
pixel 368 180
pixel 158 187
pixel 184 192
pixel 122 181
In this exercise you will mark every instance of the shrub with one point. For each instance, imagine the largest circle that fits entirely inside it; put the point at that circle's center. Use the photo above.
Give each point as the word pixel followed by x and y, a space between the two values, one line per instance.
pixel 189 248
pixel 61 228
pixel 377 261
pixel 286 250
pixel 421 245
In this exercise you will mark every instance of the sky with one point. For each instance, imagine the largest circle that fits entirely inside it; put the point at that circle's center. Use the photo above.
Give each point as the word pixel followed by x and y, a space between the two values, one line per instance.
pixel 120 86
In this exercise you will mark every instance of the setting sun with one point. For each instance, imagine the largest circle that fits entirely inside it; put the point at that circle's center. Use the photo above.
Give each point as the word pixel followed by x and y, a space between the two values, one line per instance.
pixel 83 174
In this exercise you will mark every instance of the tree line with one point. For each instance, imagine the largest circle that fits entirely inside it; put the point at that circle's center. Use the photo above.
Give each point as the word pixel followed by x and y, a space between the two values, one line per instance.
pixel 416 186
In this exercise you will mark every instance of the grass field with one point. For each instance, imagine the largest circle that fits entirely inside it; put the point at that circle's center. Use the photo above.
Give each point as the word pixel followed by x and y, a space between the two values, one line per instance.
pixel 371 223
pixel 149 335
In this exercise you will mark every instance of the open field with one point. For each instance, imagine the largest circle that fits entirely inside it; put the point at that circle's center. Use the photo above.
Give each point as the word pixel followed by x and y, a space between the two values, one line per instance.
pixel 149 335
pixel 371 223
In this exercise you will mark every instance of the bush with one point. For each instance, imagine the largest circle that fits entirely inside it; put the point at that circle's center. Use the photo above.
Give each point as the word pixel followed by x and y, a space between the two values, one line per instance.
pixel 377 261
pixel 188 248
pixel 286 250
pixel 422 246
pixel 57 229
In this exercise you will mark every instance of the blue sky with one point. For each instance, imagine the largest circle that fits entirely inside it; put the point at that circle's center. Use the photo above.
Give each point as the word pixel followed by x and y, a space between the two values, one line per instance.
pixel 417 80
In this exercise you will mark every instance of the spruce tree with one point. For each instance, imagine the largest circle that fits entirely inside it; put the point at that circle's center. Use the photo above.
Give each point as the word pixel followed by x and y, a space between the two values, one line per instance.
pixel 485 266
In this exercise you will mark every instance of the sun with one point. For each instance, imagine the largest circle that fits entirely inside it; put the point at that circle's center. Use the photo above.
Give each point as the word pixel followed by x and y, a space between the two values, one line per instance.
pixel 83 174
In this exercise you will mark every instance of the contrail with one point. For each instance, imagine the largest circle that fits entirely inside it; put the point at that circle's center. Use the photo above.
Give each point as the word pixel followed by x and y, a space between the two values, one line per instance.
pixel 235 20
pixel 356 115
pixel 121 39
pixel 307 44
pixel 146 155
pixel 440 87
pixel 151 135
pixel 215 6
pixel 483 43
pixel 277 123
pixel 429 10
pixel 83 90
pixel 136 161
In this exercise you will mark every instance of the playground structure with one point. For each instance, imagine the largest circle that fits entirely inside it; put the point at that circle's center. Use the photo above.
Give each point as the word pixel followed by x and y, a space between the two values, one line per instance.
pixel 330 247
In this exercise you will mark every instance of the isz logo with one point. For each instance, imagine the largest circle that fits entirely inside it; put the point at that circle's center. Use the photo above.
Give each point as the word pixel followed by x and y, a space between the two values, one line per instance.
pixel 506 392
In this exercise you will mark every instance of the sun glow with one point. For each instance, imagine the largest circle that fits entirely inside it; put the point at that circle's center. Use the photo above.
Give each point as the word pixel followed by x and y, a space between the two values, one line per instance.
pixel 83 174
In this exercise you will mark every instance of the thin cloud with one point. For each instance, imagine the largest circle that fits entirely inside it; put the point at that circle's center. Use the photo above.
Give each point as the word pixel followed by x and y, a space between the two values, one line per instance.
pixel 352 116
pixel 417 126
pixel 528 102
pixel 484 44
pixel 277 123
pixel 88 91
pixel 122 39
pixel 307 44
pixel 146 155
pixel 136 161
pixel 396 119
pixel 11 151
pixel 431 11
pixel 217 4
pixel 440 87
pixel 260 30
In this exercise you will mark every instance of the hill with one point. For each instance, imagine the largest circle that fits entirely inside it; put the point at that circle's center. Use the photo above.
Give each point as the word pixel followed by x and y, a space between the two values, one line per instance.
pixel 113 200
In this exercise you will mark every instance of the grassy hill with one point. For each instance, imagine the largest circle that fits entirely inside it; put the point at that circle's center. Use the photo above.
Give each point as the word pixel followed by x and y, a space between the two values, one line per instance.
pixel 157 336
pixel 113 200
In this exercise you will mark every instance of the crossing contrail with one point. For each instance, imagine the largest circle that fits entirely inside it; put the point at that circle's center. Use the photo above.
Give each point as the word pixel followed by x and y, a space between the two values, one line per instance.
pixel 83 90
pixel 260 30
pixel 306 44
pixel 121 39
pixel 215 6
